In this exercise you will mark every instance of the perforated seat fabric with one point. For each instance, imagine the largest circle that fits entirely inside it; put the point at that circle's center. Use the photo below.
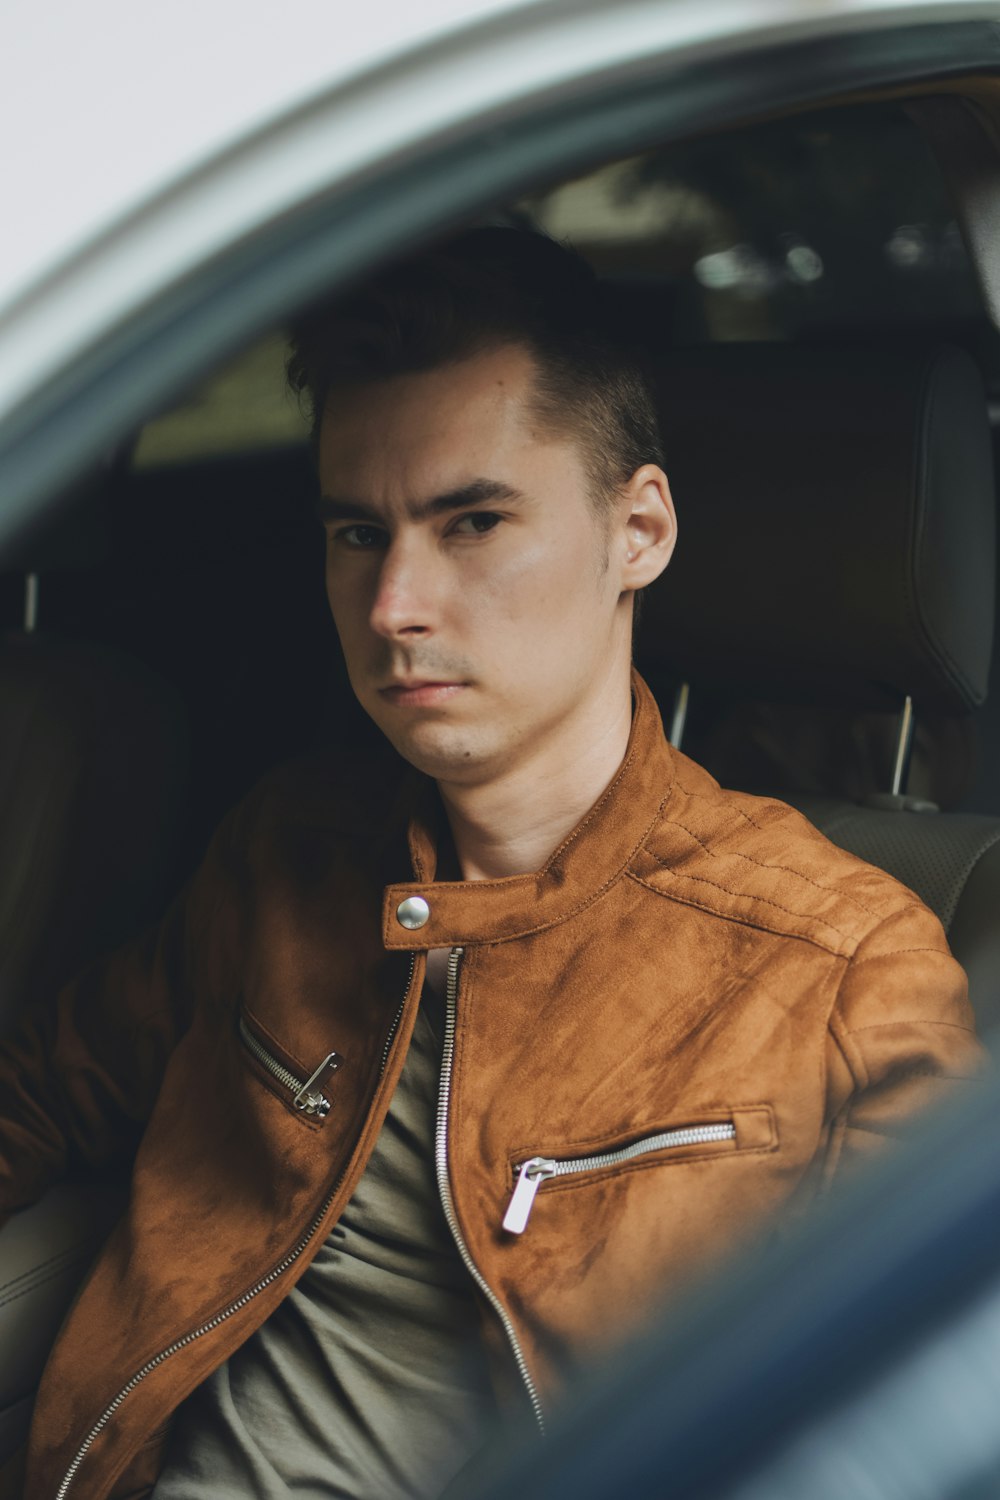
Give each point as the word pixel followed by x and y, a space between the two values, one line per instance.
pixel 952 862
pixel 933 855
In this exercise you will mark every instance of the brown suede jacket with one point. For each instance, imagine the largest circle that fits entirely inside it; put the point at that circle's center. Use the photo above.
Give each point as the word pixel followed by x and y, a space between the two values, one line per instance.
pixel 697 974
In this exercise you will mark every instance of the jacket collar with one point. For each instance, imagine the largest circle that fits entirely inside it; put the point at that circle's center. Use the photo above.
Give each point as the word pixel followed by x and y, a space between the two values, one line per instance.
pixel 589 860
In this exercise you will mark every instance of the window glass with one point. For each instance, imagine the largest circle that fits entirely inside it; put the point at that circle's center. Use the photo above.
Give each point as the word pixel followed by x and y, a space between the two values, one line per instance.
pixel 832 225
pixel 246 407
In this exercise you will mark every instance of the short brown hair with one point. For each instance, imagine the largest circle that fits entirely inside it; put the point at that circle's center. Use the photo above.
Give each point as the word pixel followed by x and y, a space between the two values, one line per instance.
pixel 481 290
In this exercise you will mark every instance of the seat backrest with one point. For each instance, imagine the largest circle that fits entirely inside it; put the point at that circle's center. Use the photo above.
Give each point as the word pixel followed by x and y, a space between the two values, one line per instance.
pixel 837 548
pixel 952 861
pixel 94 760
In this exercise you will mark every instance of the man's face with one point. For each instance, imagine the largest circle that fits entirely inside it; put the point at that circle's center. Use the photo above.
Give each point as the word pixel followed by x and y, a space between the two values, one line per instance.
pixel 473 585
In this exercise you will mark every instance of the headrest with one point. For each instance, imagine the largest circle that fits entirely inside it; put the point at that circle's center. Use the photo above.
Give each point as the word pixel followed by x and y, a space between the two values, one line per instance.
pixel 836 525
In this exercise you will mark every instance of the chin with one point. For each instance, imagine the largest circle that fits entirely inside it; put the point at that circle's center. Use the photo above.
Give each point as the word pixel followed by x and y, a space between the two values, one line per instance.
pixel 442 753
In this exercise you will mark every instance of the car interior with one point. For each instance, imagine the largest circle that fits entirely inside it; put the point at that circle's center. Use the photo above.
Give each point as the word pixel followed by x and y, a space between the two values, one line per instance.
pixel 829 387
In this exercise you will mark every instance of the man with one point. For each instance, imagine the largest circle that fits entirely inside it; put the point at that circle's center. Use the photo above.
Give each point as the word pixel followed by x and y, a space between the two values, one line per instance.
pixel 453 1073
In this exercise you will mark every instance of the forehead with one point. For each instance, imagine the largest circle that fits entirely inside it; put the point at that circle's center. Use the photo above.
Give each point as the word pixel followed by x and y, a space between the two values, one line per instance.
pixel 472 411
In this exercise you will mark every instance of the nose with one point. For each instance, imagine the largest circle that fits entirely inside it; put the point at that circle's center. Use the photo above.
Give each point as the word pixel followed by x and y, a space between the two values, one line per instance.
pixel 403 605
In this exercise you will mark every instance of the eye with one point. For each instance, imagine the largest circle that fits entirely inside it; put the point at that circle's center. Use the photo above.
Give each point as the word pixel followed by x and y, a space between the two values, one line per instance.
pixel 362 538
pixel 476 523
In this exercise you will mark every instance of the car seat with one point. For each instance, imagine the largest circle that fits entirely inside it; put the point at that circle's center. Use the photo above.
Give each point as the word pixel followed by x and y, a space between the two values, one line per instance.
pixel 836 558
pixel 93 776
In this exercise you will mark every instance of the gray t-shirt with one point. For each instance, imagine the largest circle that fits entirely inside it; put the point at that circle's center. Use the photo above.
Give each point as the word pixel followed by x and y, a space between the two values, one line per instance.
pixel 369 1381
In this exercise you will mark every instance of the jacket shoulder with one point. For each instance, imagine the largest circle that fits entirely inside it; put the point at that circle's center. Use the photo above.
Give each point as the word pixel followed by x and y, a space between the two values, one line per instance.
pixel 758 861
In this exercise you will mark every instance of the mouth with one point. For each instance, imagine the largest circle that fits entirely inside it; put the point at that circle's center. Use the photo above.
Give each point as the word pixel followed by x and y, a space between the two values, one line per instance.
pixel 420 694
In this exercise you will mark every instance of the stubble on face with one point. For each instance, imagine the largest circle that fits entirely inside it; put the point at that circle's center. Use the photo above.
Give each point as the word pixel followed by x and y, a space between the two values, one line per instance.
pixel 522 619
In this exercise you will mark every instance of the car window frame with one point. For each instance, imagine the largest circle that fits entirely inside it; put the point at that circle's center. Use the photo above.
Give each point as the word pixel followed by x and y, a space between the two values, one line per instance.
pixel 102 396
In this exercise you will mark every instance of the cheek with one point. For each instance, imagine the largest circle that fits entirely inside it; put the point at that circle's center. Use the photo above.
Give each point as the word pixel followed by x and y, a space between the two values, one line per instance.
pixel 562 587
pixel 347 593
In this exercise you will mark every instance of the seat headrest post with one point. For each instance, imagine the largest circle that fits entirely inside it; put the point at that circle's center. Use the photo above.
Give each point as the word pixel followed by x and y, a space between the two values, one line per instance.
pixel 679 717
pixel 30 603
pixel 904 745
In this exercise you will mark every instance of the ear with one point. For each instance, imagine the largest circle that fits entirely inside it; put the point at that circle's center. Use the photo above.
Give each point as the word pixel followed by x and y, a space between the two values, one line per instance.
pixel 648 527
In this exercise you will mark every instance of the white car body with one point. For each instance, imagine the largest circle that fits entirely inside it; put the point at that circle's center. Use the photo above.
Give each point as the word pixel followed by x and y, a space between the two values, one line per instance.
pixel 143 141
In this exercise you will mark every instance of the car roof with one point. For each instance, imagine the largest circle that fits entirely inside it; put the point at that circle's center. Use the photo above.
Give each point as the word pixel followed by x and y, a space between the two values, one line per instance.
pixel 149 144
pixel 112 102
pixel 109 106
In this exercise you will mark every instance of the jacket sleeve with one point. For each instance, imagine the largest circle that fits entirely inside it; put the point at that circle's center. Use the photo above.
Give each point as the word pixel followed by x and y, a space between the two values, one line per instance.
pixel 79 1079
pixel 902 1036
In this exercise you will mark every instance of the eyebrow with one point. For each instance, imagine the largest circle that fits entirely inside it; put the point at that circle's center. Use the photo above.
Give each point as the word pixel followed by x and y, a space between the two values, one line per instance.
pixel 476 492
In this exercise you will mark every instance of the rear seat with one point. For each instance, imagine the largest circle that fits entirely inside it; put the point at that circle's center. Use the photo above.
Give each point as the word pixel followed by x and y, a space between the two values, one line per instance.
pixel 93 782
pixel 94 763
pixel 837 551
pixel 212 578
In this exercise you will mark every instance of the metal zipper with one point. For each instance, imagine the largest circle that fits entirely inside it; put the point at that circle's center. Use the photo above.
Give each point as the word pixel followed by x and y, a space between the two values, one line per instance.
pixel 538 1169
pixel 444 1188
pixel 398 1016
pixel 190 1338
pixel 306 1096
pixel 241 1302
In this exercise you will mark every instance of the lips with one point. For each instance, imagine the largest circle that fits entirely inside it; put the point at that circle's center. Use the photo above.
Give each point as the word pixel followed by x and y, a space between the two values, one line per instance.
pixel 420 694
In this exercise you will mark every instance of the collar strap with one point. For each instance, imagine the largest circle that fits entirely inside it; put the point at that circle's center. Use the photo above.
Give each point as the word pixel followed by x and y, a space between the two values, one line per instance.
pixel 424 913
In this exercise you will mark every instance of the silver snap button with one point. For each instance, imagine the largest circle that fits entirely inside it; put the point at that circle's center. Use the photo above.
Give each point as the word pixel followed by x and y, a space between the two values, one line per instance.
pixel 413 912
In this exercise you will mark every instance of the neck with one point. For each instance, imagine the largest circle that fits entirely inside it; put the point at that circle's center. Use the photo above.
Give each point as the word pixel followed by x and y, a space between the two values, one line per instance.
pixel 511 824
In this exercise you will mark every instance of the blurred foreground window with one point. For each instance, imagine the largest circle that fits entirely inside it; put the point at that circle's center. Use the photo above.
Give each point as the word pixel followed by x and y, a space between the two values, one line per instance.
pixel 824 226
pixel 245 408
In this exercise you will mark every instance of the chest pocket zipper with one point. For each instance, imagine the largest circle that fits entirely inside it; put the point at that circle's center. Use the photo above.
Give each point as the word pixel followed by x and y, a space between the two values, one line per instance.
pixel 538 1169
pixel 306 1094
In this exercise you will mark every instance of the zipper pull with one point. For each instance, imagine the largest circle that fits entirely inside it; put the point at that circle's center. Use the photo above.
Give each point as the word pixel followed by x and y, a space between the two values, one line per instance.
pixel 310 1099
pixel 530 1176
